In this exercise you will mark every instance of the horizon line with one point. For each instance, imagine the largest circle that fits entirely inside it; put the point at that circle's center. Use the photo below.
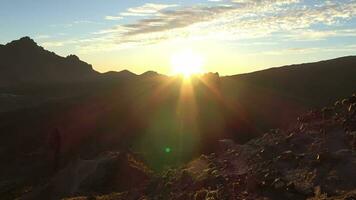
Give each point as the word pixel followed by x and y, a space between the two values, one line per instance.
pixel 173 75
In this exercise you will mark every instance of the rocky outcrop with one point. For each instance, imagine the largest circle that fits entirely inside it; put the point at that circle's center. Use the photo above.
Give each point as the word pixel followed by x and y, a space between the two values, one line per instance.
pixel 107 173
pixel 314 159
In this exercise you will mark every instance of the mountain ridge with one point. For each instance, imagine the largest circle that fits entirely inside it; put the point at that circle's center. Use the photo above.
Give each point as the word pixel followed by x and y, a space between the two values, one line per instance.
pixel 27 43
pixel 25 53
pixel 349 58
pixel 23 62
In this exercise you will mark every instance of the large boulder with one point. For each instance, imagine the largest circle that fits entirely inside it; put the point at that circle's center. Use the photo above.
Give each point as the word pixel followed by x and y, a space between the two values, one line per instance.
pixel 110 172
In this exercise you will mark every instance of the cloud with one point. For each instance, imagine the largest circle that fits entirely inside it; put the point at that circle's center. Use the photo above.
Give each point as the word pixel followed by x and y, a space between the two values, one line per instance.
pixel 173 19
pixel 41 37
pixel 74 23
pixel 307 51
pixel 235 20
pixel 312 35
pixel 147 9
pixel 113 17
pixel 84 22
pixel 53 44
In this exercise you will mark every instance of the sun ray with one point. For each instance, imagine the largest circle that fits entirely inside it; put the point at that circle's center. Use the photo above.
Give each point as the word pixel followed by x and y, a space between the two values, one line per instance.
pixel 187 115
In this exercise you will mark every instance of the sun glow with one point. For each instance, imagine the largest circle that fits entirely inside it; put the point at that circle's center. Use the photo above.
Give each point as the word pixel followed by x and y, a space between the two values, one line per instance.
pixel 187 63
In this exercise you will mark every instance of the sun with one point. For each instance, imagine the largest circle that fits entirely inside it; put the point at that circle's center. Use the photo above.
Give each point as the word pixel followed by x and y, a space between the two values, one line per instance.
pixel 187 63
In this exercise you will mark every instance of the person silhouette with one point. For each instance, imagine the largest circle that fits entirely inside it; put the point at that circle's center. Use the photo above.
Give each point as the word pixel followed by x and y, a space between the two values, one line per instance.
pixel 55 142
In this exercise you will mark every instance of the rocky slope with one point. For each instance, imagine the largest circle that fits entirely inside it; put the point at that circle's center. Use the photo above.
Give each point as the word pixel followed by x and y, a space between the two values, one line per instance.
pixel 108 172
pixel 315 159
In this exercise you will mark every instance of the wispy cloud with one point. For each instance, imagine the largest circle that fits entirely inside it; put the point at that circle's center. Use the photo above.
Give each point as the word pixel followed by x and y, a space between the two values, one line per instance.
pixel 308 50
pixel 147 9
pixel 42 36
pixel 113 17
pixel 73 23
pixel 233 20
pixel 84 22
pixel 312 35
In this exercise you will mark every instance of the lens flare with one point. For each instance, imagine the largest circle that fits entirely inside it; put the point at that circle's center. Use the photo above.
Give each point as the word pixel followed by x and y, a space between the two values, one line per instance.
pixel 168 150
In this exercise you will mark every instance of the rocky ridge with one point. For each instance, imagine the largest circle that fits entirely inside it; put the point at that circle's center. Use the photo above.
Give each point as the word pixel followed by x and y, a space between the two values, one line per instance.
pixel 314 159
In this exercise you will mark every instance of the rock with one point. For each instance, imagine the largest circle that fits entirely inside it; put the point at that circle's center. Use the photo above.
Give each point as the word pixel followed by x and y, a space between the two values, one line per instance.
pixel 282 164
pixel 236 187
pixel 201 194
pixel 327 112
pixel 337 104
pixel 103 174
pixel 186 177
pixel 352 99
pixel 212 195
pixel 215 173
pixel 287 155
pixel 291 187
pixel 226 144
pixel 345 102
pixel 278 183
pixel 252 183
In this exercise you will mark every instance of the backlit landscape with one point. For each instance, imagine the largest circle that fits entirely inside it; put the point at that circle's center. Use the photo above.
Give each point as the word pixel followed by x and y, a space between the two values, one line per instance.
pixel 178 100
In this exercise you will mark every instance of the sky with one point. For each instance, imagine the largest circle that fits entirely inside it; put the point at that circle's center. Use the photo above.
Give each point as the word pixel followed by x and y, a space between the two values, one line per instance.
pixel 231 36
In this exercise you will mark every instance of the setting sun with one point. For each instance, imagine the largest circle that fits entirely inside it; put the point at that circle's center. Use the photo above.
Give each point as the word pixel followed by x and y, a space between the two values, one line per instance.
pixel 187 63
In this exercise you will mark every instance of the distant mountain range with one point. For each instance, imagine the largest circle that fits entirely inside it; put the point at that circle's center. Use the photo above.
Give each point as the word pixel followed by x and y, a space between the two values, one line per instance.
pixel 40 91
pixel 269 98
pixel 260 94
pixel 24 62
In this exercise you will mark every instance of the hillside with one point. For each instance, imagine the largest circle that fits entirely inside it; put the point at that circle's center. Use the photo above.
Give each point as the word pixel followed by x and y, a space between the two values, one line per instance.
pixel 276 96
pixel 308 81
pixel 313 159
pixel 24 62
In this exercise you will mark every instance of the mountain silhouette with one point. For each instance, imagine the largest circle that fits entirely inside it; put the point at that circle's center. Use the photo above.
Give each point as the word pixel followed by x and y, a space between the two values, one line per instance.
pixel 23 61
pixel 268 98
pixel 150 74
pixel 276 96
pixel 310 80
pixel 155 118
pixel 124 74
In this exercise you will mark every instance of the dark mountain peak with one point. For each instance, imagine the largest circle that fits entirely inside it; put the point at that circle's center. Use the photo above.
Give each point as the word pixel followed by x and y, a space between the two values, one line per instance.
pixel 73 57
pixel 23 42
pixel 119 75
pixel 150 73
pixel 75 60
pixel 26 38
pixel 23 61
pixel 125 71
